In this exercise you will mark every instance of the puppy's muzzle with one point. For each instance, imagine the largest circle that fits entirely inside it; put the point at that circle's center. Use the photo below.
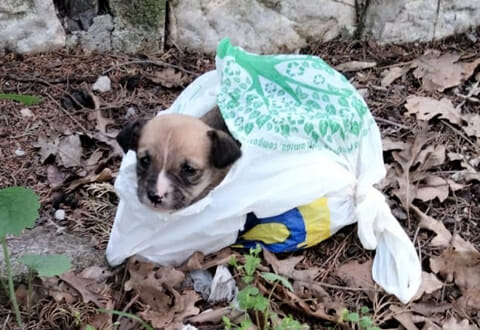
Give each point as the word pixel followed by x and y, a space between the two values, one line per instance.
pixel 155 198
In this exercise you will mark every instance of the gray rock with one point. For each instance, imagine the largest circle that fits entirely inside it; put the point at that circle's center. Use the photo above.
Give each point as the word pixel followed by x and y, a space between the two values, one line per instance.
pixel 139 25
pixel 44 240
pixel 258 25
pixel 99 35
pixel 103 84
pixel 72 40
pixel 29 26
pixel 400 21
pixel 60 214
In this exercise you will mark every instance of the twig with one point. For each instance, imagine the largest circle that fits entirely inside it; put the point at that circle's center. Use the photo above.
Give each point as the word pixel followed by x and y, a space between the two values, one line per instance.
pixel 43 81
pixel 474 90
pixel 383 120
pixel 460 134
pixel 157 63
pixel 345 288
pixel 6 321
pixel 127 306
pixel 395 65
pixel 68 114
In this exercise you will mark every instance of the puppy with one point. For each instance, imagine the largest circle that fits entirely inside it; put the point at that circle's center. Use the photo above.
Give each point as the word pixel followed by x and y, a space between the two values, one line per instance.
pixel 180 158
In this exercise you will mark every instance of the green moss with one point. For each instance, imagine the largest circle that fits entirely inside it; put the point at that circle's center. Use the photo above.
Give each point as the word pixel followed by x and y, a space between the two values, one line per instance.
pixel 145 13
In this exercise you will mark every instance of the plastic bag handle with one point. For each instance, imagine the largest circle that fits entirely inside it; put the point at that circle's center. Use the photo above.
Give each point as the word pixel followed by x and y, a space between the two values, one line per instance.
pixel 396 266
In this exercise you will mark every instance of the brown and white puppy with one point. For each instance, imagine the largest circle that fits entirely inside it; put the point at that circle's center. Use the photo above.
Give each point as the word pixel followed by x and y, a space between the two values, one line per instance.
pixel 180 158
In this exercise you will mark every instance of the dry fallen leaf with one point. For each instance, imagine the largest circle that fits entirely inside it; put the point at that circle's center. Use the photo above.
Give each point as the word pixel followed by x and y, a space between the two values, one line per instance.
pixel 430 308
pixel 101 320
pixel 441 72
pixel 453 324
pixel 102 122
pixel 443 237
pixel 199 261
pixel 430 157
pixel 473 125
pixel 392 74
pixel 185 307
pixel 358 275
pixel 158 320
pixel 212 316
pixel 430 284
pixel 355 66
pixel 286 267
pixel 466 176
pixel 412 165
pixel 307 290
pixel 426 108
pixel 97 273
pixel 155 287
pixel 433 187
pixel 59 290
pixel 313 308
pixel 304 283
pixel 454 186
pixel 168 78
pixel 105 175
pixel 69 148
pixel 109 139
pixel 93 161
pixel 21 293
pixel 48 147
pixel 390 144
pixel 403 316
pixel 460 263
pixel 406 159
pixel 55 176
pixel 182 307
pixel 90 289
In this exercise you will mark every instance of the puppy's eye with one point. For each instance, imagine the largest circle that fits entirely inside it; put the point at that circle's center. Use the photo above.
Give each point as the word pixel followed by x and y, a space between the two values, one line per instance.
pixel 188 170
pixel 145 161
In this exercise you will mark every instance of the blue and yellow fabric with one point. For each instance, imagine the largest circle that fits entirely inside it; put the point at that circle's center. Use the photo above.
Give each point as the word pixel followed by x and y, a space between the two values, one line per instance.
pixel 299 228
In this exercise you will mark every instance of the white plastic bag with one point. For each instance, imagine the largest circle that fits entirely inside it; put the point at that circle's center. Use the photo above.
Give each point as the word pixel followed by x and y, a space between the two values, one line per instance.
pixel 281 168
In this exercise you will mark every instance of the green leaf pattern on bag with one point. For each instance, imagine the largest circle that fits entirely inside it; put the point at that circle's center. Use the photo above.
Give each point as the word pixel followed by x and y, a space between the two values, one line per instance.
pixel 289 102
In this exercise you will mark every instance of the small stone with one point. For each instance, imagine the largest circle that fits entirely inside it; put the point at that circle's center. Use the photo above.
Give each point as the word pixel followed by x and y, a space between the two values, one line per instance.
pixel 471 37
pixel 20 152
pixel 73 40
pixel 25 112
pixel 363 92
pixel 399 213
pixel 60 214
pixel 102 84
pixel 130 113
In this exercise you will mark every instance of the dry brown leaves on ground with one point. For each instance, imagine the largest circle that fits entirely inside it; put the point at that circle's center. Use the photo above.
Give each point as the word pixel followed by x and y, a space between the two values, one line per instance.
pixel 426 100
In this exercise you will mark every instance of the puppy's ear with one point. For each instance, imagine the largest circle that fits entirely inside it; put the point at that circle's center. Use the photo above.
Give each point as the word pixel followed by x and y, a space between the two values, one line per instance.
pixel 225 150
pixel 129 136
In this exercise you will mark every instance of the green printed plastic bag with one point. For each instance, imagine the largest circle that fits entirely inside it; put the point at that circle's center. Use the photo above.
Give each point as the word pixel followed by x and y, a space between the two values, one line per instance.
pixel 289 102
pixel 307 136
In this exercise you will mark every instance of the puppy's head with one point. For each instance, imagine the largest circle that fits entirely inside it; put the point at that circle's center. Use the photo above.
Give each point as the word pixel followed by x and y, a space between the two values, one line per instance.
pixel 179 159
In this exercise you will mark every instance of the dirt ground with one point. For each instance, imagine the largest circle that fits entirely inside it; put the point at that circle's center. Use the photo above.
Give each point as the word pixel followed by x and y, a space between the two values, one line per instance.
pixel 430 151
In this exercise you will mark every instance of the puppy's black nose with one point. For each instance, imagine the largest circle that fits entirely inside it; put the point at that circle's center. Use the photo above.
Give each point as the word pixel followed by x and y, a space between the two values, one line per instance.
pixel 153 197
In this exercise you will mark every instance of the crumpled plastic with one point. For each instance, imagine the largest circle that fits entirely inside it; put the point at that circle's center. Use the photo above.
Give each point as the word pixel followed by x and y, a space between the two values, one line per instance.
pixel 306 134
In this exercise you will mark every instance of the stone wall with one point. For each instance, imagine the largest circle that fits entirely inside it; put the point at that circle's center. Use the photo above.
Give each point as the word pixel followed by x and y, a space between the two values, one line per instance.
pixel 257 25
pixel 29 26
